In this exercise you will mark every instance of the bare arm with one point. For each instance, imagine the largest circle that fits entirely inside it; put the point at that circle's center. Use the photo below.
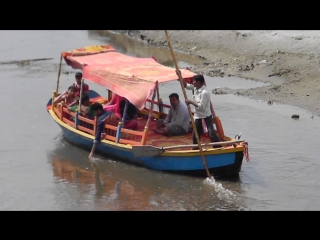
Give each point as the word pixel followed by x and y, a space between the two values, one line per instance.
pixel 60 97
pixel 97 139
pixel 100 129
pixel 93 149
pixel 74 102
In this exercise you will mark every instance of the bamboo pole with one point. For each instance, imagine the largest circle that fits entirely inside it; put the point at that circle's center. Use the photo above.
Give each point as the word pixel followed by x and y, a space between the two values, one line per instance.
pixel 59 73
pixel 160 107
pixel 81 93
pixel 158 97
pixel 151 108
pixel 122 121
pixel 186 98
pixel 78 112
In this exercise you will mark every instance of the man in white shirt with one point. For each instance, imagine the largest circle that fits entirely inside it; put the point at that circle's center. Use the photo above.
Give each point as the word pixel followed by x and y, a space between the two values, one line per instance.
pixel 201 102
pixel 177 121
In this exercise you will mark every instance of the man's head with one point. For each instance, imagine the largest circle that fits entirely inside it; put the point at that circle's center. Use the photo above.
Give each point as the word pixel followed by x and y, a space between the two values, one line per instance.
pixel 97 109
pixel 174 99
pixel 198 81
pixel 78 77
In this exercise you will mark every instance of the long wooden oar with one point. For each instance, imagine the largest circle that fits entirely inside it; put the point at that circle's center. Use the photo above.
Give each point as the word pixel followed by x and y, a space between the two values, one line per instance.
pixel 186 98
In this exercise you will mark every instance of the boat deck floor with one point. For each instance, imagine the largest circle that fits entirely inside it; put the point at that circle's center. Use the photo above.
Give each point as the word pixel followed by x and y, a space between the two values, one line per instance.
pixel 166 141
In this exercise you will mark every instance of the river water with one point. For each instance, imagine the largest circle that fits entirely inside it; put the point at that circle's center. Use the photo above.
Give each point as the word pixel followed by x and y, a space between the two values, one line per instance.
pixel 41 171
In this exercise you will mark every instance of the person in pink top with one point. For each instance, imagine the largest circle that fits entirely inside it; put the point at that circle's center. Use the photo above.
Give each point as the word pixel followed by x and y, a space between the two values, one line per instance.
pixel 114 105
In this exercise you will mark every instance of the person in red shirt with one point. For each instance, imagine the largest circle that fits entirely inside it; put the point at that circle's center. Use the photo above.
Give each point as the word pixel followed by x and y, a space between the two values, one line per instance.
pixel 77 84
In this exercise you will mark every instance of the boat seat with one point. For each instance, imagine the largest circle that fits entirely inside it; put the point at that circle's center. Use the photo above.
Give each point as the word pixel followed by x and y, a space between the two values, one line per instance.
pixel 219 129
pixel 100 100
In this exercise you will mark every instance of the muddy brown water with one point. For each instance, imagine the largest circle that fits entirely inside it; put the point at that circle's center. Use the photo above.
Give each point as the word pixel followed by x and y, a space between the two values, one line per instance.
pixel 41 171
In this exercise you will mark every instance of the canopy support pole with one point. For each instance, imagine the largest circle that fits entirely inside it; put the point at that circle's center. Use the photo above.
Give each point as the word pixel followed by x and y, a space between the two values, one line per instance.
pixel 79 106
pixel 151 108
pixel 59 73
pixel 122 122
pixel 160 107
pixel 109 95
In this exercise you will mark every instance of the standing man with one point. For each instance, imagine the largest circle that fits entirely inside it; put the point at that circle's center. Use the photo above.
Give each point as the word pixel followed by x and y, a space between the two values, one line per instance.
pixel 77 84
pixel 177 121
pixel 104 117
pixel 201 101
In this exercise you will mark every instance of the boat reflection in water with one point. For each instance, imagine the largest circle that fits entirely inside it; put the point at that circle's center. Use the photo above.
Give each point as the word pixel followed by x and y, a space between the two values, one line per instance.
pixel 116 186
pixel 109 192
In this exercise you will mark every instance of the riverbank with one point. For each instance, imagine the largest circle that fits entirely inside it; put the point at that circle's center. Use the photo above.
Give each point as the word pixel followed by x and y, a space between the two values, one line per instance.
pixel 289 60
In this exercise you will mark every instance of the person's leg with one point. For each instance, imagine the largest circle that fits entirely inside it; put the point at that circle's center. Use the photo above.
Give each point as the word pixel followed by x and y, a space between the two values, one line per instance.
pixel 159 127
pixel 212 134
pixel 198 124
pixel 175 131
pixel 160 123
pixel 131 124
pixel 159 131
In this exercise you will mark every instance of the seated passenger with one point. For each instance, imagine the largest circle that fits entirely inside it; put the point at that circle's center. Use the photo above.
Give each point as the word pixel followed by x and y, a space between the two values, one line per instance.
pixel 77 84
pixel 177 121
pixel 85 107
pixel 131 121
pixel 68 97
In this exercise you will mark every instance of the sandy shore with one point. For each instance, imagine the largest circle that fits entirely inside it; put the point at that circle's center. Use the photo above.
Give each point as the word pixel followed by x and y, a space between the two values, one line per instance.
pixel 288 59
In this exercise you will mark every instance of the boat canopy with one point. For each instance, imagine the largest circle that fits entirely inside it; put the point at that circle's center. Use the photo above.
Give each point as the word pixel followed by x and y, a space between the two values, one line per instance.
pixel 134 78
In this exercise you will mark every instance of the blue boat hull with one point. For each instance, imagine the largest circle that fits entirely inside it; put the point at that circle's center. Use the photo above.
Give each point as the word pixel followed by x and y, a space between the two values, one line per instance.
pixel 219 165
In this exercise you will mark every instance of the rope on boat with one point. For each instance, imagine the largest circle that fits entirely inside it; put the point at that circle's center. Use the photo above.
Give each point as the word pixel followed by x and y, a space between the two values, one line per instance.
pixel 246 151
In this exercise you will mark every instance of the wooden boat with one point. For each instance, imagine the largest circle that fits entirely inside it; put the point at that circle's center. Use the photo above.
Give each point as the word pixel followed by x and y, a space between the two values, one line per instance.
pixel 137 80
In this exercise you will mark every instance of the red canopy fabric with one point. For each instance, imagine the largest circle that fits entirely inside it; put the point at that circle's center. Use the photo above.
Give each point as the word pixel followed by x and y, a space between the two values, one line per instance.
pixel 131 77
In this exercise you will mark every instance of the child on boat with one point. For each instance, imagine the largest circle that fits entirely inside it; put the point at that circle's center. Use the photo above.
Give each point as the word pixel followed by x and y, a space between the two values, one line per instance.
pixel 85 107
pixel 69 97
pixel 77 84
